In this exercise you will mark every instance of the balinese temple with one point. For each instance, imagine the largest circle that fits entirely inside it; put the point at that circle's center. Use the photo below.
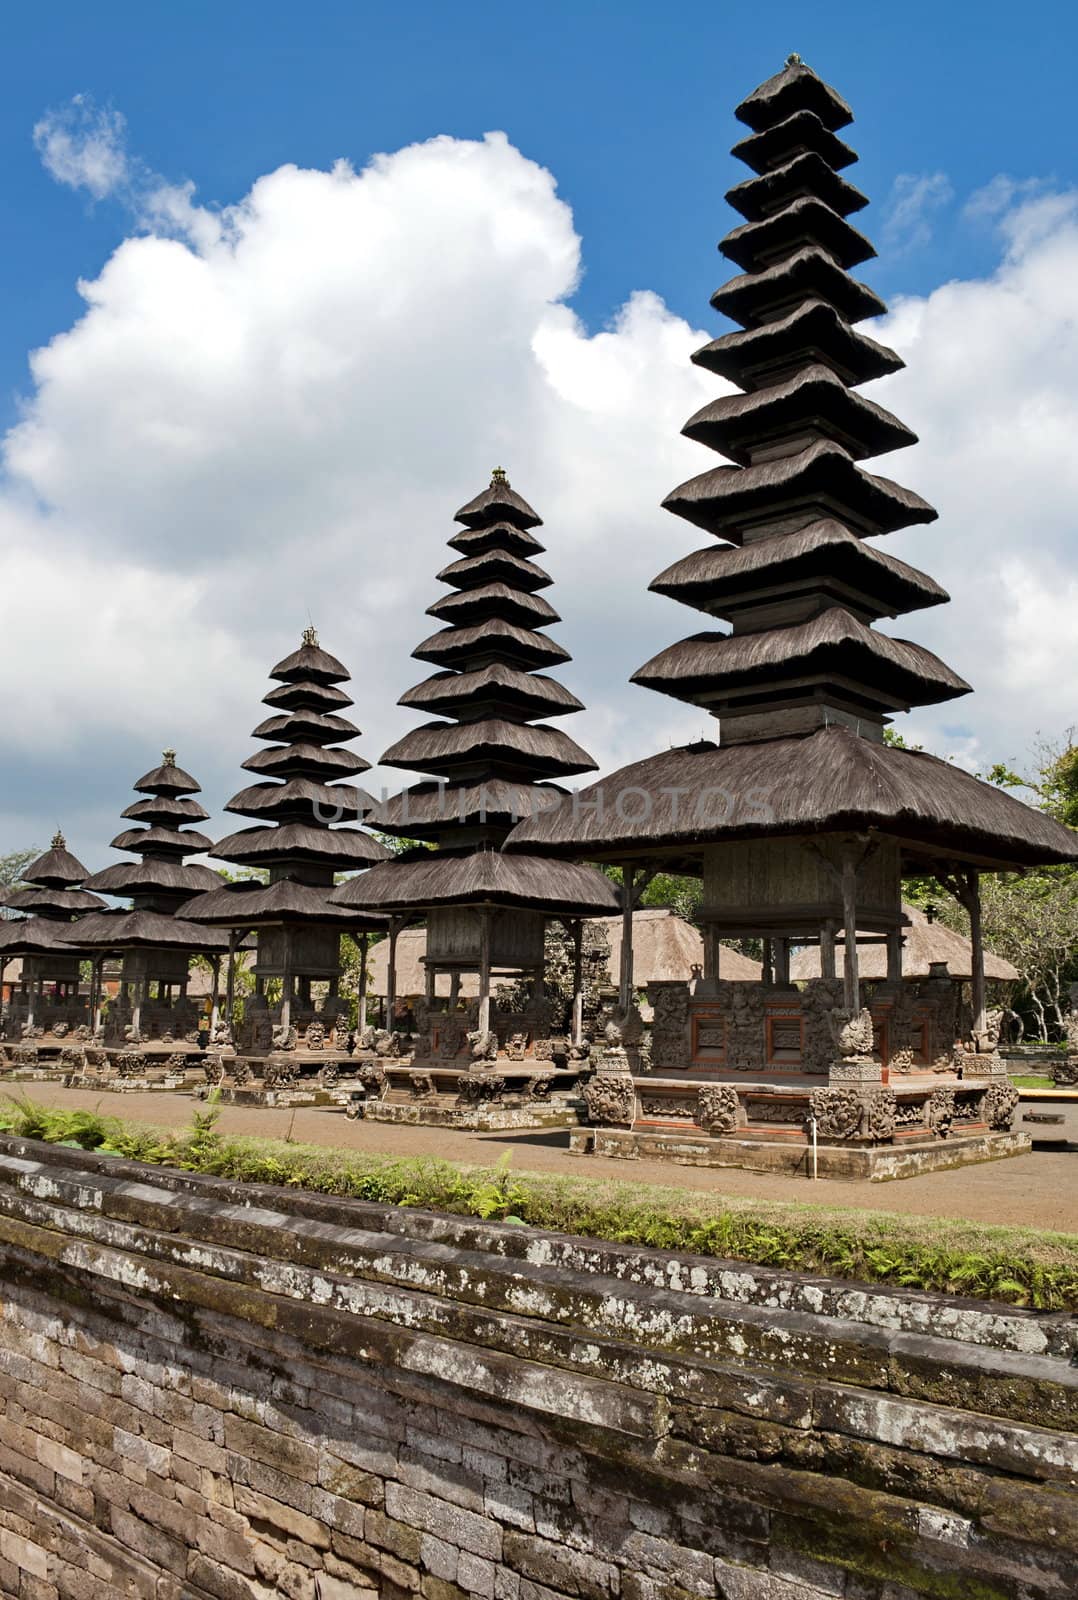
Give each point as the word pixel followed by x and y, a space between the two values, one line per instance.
pixel 301 793
pixel 50 1003
pixel 799 817
pixel 491 753
pixel 152 1008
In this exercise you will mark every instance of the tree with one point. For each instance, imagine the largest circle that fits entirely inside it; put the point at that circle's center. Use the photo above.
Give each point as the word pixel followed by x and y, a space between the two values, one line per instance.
pixel 12 868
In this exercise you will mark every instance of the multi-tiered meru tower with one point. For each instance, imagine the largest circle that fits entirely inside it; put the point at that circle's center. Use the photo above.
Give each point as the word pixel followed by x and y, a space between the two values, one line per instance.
pixel 152 1008
pixel 302 795
pixel 492 757
pixel 49 992
pixel 801 820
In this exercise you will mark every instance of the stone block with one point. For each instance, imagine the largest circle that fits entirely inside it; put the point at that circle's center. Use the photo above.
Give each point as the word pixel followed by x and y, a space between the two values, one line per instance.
pixel 568 1571
pixel 66 1463
pixel 261 1511
pixel 277 1450
pixel 451 1522
pixel 24 1554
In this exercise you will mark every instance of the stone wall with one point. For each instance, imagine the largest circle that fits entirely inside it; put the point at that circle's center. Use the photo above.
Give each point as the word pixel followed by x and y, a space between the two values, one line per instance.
pixel 208 1390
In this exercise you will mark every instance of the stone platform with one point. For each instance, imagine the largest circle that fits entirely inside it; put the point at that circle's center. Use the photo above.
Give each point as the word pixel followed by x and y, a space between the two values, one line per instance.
pixel 504 1095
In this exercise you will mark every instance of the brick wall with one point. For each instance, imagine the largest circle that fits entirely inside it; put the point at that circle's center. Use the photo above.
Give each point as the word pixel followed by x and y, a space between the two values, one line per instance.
pixel 211 1391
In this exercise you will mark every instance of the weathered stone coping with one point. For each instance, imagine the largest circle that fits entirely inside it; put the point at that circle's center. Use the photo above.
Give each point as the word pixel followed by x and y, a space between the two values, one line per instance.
pixel 736 1283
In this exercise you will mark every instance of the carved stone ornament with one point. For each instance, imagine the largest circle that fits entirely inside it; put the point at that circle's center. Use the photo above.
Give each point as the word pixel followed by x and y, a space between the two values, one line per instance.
pixel 881 1112
pixel 837 1111
pixel 999 1106
pixel 476 1087
pixel 717 1107
pixel 939 1112
pixel 421 1085
pixel 278 1073
pixel 60 1030
pixel 242 1072
pixel 130 1063
pixel 329 1075
pixel 314 1037
pixel 24 1055
pixel 214 1068
pixel 484 1045
pixel 854 1033
pixel 177 1061
pixel 516 1046
pixel 284 1038
pixel 902 1061
pixel 83 1032
pixel 372 1076
pixel 1070 1031
pixel 71 1056
pixel 1065 1071
pixel 549 1049
pixel 611 1100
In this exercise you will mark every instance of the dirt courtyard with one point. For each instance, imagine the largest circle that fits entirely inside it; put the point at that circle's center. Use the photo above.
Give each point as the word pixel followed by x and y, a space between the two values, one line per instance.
pixel 1035 1190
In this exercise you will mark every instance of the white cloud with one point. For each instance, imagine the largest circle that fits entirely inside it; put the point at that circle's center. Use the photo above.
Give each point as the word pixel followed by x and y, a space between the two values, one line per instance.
pixel 914 200
pixel 272 412
pixel 83 145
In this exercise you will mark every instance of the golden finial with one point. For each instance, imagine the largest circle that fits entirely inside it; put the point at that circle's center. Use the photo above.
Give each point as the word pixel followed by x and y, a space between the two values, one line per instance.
pixel 794 60
pixel 310 636
pixel 499 478
pixel 168 757
pixel 58 841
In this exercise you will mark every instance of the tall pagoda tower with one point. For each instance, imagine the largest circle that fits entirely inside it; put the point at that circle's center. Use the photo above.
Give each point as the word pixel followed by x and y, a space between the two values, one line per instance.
pixel 155 943
pixel 799 818
pixel 46 940
pixel 301 794
pixel 491 756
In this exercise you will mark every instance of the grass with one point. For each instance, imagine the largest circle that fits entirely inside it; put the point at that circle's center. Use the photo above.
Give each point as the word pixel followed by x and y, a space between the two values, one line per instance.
pixel 1022 1266
pixel 1033 1083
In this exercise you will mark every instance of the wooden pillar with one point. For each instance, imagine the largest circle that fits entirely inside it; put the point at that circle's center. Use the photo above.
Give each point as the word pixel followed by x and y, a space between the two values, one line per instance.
pixel 894 955
pixel 230 978
pixel 827 950
pixel 431 977
pixel 215 1006
pixel 628 886
pixel 286 984
pixel 484 972
pixel 361 1008
pixel 851 980
pixel 577 1028
pixel 136 1009
pixel 454 989
pixel 782 962
pixel 768 973
pixel 3 968
pixel 976 939
pixel 395 926
pixel 97 986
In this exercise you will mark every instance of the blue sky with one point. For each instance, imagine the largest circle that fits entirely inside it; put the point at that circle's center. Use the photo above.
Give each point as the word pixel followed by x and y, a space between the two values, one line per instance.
pixel 272 403
pixel 628 104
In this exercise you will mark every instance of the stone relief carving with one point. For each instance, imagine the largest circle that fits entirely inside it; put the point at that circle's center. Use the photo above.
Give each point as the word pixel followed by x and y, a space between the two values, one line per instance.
pixel 474 1088
pixel 611 1100
pixel 717 1107
pixel 484 1045
pixel 881 1108
pixel 999 1105
pixel 838 1112
pixel 940 1112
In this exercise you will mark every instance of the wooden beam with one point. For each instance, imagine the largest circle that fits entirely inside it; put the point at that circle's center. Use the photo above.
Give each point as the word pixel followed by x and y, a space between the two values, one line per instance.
pixel 827 950
pixel 576 1033
pixel 484 972
pixel 361 1008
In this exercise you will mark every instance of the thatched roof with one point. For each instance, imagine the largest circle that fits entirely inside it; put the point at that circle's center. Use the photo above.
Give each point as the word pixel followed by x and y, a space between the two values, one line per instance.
pixel 305 759
pixel 831 781
pixel 804 174
pixel 753 244
pixel 666 948
pixel 498 503
pixel 168 778
pixel 496 536
pixel 170 841
pixel 823 558
pixel 802 130
pixel 427 810
pixel 527 694
pixel 493 639
pixel 809 274
pixel 251 904
pixel 57 868
pixel 299 797
pixel 306 723
pixel 531 747
pixel 484 878
pixel 340 848
pixel 143 877
pixel 166 809
pixel 832 646
pixel 35 936
pixel 813 331
pixel 135 930
pixel 734 423
pixel 494 600
pixel 495 566
pixel 64 903
pixel 305 692
pixel 795 89
pixel 310 663
pixel 924 943
pixel 411 975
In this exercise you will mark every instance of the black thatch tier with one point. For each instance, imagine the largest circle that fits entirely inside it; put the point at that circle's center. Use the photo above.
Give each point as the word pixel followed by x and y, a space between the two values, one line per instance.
pixel 833 647
pixel 37 936
pixel 807 221
pixel 310 663
pixel 305 760
pixel 525 694
pixel 482 878
pixel 824 559
pixel 428 810
pixel 168 778
pixel 496 536
pixel 806 174
pixel 254 905
pixel 57 868
pixel 311 696
pixel 316 726
pixel 817 483
pixel 493 640
pixel 795 88
pixel 802 131
pixel 753 298
pixel 142 877
pixel 494 600
pixel 54 902
pixel 813 402
pixel 135 930
pixel 498 503
pixel 170 840
pixel 529 748
pixel 830 781
pixel 495 566
pixel 164 809
pixel 298 799
pixel 300 842
pixel 812 332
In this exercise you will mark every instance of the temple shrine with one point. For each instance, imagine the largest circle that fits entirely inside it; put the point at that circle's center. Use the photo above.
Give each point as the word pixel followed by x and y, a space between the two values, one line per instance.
pixel 48 1016
pixel 152 1029
pixel 474 1062
pixel 296 1023
pixel 800 818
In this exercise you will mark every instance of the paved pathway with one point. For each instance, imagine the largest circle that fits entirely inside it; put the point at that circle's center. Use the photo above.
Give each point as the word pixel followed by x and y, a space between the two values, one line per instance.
pixel 1036 1190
